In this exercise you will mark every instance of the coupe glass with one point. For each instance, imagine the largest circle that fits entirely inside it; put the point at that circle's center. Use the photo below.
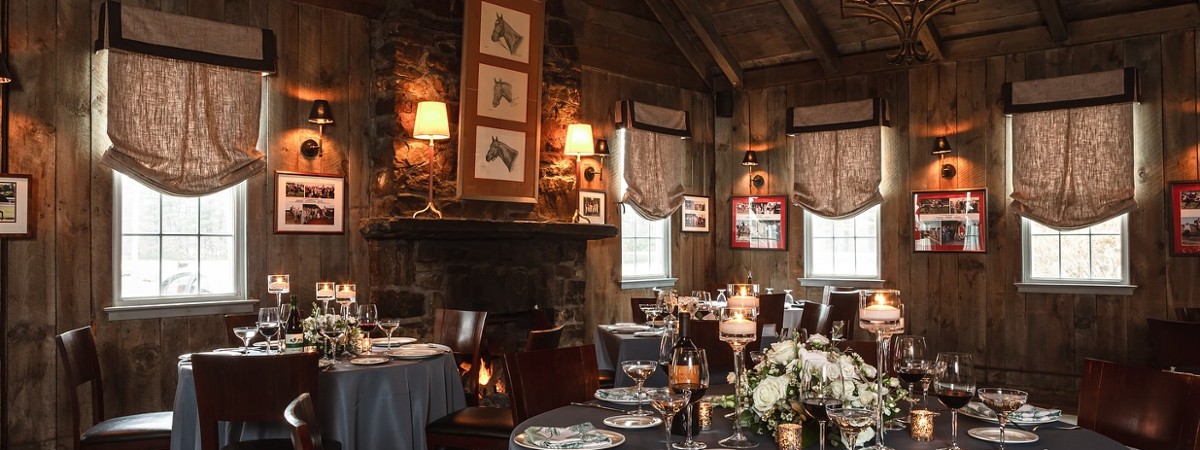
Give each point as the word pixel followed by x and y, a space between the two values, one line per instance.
pixel 821 388
pixel 851 421
pixel 245 334
pixel 688 373
pixel 668 404
pixel 268 325
pixel 639 370
pixel 368 319
pixel 954 385
pixel 389 326
pixel 1004 402
pixel 911 363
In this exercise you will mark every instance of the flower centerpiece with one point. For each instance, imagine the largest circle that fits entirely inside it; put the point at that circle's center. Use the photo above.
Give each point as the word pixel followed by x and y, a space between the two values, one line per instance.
pixel 312 331
pixel 774 385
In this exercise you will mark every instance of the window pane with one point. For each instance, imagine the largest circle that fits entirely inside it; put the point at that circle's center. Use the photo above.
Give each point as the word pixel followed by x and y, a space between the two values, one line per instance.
pixel 868 257
pixel 821 227
pixel 180 215
pixel 140 208
pixel 1044 257
pixel 139 266
pixel 217 265
pixel 843 247
pixel 822 254
pixel 644 247
pixel 1106 257
pixel 1089 254
pixel 180 265
pixel 1076 258
pixel 1110 226
pixel 217 215
pixel 866 224
pixel 843 256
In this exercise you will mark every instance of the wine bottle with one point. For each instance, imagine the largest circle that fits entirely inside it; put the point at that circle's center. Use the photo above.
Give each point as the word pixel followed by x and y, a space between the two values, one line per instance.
pixel 293 337
pixel 684 340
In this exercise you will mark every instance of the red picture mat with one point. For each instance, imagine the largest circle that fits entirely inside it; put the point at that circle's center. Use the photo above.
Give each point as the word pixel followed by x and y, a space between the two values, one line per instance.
pixel 950 221
pixel 1184 198
pixel 759 223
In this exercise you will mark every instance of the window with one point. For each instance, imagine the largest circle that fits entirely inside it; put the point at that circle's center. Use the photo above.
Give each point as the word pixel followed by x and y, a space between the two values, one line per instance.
pixel 842 249
pixel 645 250
pixel 171 251
pixel 1096 255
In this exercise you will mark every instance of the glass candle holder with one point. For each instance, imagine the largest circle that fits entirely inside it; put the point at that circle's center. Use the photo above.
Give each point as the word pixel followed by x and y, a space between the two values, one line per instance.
pixel 278 284
pixel 706 411
pixel 345 292
pixel 880 310
pixel 788 436
pixel 921 421
pixel 743 296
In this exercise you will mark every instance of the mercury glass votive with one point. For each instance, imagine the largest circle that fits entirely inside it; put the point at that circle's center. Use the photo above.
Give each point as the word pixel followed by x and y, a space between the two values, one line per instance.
pixel 706 411
pixel 921 421
pixel 788 436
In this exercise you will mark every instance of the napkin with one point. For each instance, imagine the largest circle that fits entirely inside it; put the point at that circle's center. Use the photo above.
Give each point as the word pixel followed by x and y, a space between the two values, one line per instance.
pixel 619 395
pixel 1030 413
pixel 583 435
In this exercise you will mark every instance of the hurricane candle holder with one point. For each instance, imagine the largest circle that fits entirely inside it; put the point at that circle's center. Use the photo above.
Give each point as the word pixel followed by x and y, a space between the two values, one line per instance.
pixel 738 328
pixel 706 410
pixel 279 284
pixel 921 423
pixel 742 296
pixel 345 294
pixel 325 293
pixel 880 312
pixel 788 436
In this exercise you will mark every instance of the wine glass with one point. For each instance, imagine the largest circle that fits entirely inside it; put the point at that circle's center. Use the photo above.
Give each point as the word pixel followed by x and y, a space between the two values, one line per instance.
pixel 650 310
pixel 757 357
pixel 821 388
pixel 1004 402
pixel 688 373
pixel 910 362
pixel 721 298
pixel 770 291
pixel 851 421
pixel 639 370
pixel 332 327
pixel 954 385
pixel 268 325
pixel 389 326
pixel 368 319
pixel 245 334
pixel 787 297
pixel 668 404
pixel 667 344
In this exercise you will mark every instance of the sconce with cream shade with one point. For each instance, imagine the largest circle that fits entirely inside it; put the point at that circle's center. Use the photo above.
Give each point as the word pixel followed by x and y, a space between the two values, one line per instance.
pixel 579 144
pixel 431 123
pixel 322 115
pixel 941 147
pixel 750 160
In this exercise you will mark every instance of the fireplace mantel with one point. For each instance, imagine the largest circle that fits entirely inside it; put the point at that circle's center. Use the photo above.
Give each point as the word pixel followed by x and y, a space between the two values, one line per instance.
pixel 402 228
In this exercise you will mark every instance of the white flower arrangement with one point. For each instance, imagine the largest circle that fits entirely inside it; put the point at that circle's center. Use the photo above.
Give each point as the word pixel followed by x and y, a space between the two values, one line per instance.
pixel 312 331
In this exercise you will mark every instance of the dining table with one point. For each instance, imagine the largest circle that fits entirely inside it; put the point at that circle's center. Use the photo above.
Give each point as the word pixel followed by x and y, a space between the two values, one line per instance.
pixel 614 344
pixel 364 407
pixel 1053 436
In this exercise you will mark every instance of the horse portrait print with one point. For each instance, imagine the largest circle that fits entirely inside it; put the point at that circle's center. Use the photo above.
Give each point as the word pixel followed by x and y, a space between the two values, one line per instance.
pixel 508 89
pixel 503 32
pixel 499 154
pixel 501 90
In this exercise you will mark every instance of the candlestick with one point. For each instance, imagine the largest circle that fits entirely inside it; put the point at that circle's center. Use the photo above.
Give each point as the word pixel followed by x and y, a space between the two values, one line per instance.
pixel 922 424
pixel 278 284
pixel 738 328
pixel 788 436
pixel 881 312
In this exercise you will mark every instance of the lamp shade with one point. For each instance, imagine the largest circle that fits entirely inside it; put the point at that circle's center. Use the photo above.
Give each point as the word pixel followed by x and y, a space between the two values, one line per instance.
pixel 320 113
pixel 602 147
pixel 579 140
pixel 432 122
pixel 751 158
pixel 5 76
pixel 941 146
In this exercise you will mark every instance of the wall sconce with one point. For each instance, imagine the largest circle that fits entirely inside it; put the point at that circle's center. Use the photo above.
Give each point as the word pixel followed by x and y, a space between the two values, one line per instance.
pixel 579 143
pixel 941 147
pixel 321 115
pixel 601 152
pixel 751 160
pixel 432 123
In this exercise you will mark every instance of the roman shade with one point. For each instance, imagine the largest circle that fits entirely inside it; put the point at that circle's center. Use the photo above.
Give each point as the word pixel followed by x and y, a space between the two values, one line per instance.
pixel 183 97
pixel 837 152
pixel 655 139
pixel 1073 147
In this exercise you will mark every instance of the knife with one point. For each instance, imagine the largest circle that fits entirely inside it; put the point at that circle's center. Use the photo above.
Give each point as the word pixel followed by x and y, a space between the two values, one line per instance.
pixel 593 405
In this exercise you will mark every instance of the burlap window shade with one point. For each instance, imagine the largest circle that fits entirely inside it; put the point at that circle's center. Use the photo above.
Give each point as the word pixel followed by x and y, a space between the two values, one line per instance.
pixel 837 150
pixel 1073 148
pixel 183 98
pixel 655 140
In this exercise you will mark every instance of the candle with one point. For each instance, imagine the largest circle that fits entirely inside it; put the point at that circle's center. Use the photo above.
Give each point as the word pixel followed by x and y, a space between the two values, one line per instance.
pixel 737 326
pixel 743 301
pixel 922 425
pixel 345 291
pixel 706 410
pixel 788 436
pixel 878 312
pixel 277 283
pixel 325 290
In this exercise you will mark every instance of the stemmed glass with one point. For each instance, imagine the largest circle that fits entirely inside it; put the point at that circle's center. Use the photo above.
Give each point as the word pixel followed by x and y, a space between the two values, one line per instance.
pixel 954 385
pixel 332 327
pixel 737 328
pixel 639 370
pixel 389 326
pixel 324 294
pixel 910 363
pixel 787 297
pixel 668 404
pixel 821 388
pixel 245 334
pixel 268 325
pixel 368 319
pixel 688 374
pixel 1004 402
pixel 721 298
pixel 851 421
pixel 880 311
pixel 650 310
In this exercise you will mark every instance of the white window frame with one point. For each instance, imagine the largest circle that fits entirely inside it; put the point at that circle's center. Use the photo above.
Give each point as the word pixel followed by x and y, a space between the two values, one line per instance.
pixel 817 279
pixel 1100 286
pixel 179 306
pixel 662 228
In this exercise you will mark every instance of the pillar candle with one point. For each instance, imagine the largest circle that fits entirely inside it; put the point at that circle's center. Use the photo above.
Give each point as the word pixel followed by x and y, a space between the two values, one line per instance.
pixel 742 301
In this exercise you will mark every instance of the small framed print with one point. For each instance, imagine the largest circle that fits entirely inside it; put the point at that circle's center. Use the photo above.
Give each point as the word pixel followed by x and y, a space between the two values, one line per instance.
pixel 591 206
pixel 1184 198
pixel 310 203
pixel 759 223
pixel 950 221
pixel 14 206
pixel 695 214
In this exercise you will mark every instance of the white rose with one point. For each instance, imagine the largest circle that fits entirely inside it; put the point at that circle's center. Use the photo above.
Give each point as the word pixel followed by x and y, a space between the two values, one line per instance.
pixel 782 352
pixel 869 371
pixel 867 397
pixel 769 391
pixel 818 339
pixel 815 358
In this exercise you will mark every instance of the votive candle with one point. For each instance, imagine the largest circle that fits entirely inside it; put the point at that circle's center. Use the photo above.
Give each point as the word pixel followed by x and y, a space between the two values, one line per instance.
pixel 325 289
pixel 922 425
pixel 344 291
pixel 788 436
pixel 278 283
pixel 742 301
pixel 706 410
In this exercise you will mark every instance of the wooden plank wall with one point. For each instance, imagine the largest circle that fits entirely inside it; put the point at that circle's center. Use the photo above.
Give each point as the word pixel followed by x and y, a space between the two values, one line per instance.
pixel 62 278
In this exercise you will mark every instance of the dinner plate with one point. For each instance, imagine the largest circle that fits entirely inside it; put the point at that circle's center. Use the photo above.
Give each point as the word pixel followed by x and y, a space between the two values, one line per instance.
pixel 614 437
pixel 369 360
pixel 631 421
pixel 438 347
pixel 648 333
pixel 262 344
pixel 395 341
pixel 975 415
pixel 1011 436
pixel 628 328
pixel 228 350
pixel 620 401
pixel 413 353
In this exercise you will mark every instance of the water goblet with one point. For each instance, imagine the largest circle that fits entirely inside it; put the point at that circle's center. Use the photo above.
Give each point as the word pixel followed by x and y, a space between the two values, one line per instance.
pixel 668 404
pixel 851 422
pixel 787 297
pixel 721 298
pixel 954 385
pixel 368 319
pixel 268 325
pixel 639 370
pixel 821 388
pixel 770 291
pixel 688 373
pixel 245 334
pixel 1004 402
pixel 910 363
pixel 389 326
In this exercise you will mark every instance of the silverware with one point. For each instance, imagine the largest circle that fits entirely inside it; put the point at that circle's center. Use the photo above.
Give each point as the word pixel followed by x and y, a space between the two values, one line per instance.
pixel 593 405
pixel 1067 427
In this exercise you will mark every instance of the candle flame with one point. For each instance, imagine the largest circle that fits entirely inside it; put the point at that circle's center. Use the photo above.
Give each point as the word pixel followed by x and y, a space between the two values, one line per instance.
pixel 879 299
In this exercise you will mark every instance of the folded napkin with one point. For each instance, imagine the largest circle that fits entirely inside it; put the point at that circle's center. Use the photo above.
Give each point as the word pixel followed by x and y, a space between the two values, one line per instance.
pixel 583 436
pixel 1026 413
pixel 619 395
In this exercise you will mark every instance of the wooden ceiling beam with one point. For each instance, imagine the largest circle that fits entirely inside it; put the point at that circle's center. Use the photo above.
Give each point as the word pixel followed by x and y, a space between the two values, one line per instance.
pixel 1052 12
pixel 372 9
pixel 932 40
pixel 662 12
pixel 703 27
pixel 808 23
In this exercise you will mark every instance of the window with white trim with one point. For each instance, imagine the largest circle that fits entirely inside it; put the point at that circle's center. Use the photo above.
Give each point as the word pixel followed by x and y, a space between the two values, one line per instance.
pixel 645 247
pixel 845 248
pixel 1097 255
pixel 177 250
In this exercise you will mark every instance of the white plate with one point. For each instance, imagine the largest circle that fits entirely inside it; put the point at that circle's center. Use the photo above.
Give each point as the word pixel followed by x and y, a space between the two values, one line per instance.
pixel 631 421
pixel 413 353
pixel 396 341
pixel 1011 436
pixel 263 344
pixel 615 440
pixel 645 398
pixel 972 414
pixel 438 347
pixel 323 363
pixel 228 350
pixel 369 360
pixel 628 328
pixel 648 333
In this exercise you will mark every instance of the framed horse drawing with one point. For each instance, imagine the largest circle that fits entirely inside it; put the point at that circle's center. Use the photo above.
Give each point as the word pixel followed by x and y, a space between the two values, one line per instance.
pixel 499 123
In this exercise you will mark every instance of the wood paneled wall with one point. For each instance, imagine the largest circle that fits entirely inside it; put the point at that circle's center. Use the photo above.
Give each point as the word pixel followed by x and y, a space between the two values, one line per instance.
pixel 62 277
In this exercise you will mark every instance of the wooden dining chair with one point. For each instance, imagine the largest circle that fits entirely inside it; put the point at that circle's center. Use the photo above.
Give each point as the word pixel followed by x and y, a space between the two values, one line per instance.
pixel 770 311
pixel 635 304
pixel 843 306
pixel 227 391
pixel 1140 407
pixel 536 379
pixel 1187 314
pixel 146 431
pixel 462 331
pixel 706 334
pixel 240 320
pixel 543 318
pixel 301 417
pixel 544 339
pixel 815 318
pixel 1175 344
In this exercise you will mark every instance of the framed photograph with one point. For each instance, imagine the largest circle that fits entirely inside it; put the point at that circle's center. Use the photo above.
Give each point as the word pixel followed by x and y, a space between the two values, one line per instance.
pixel 695 214
pixel 310 203
pixel 499 123
pixel 950 221
pixel 14 206
pixel 591 206
pixel 1184 198
pixel 759 222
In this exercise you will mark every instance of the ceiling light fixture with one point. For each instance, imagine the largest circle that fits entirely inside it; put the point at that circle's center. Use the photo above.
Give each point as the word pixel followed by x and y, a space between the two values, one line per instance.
pixel 907 17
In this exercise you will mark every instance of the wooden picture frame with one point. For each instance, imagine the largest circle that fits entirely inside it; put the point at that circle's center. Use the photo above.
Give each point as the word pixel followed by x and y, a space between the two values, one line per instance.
pixel 14 205
pixel 500 112
pixel 950 221
pixel 309 203
pixel 758 222
pixel 695 214
pixel 592 206
pixel 1184 203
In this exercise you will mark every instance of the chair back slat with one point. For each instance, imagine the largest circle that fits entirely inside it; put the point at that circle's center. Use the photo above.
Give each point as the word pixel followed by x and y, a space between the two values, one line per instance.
pixel 843 306
pixel 547 379
pixel 1175 344
pixel 544 339
pixel 1140 407
pixel 815 318
pixel 706 334
pixel 231 387
pixel 462 331
pixel 302 418
pixel 1187 314
pixel 635 304
pixel 770 310
pixel 77 348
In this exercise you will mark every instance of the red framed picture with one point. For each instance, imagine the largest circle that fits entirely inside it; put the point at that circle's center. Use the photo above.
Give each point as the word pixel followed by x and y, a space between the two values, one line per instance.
pixel 759 223
pixel 950 221
pixel 1184 197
